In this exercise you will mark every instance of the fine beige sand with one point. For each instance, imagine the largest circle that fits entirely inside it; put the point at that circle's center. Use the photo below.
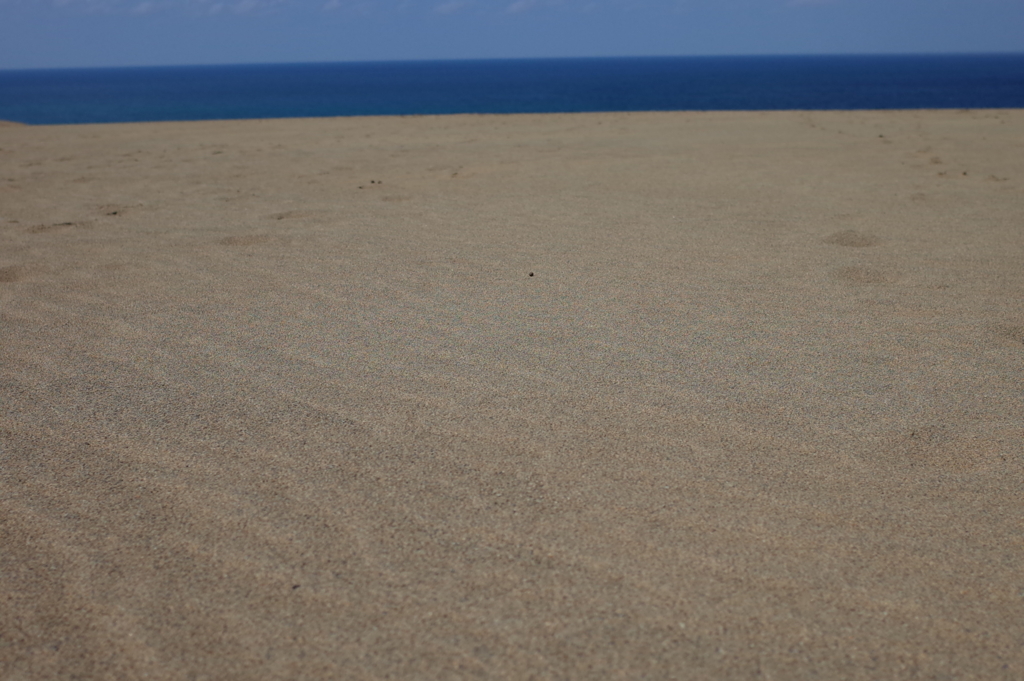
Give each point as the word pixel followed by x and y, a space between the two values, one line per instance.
pixel 282 400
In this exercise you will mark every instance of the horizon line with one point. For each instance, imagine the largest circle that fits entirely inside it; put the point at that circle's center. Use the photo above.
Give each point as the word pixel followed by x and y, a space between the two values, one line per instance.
pixel 521 59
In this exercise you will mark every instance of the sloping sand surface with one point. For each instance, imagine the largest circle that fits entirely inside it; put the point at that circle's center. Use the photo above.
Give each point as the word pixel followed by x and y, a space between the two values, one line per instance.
pixel 282 399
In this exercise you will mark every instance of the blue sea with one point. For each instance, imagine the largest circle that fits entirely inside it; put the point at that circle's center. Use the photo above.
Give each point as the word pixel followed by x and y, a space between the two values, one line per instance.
pixel 511 86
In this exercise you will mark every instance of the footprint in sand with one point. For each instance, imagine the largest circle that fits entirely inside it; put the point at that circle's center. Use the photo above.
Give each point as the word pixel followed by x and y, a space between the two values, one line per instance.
pixel 113 209
pixel 11 274
pixel 852 238
pixel 1013 333
pixel 939 446
pixel 858 274
pixel 244 240
pixel 40 229
pixel 920 445
pixel 293 215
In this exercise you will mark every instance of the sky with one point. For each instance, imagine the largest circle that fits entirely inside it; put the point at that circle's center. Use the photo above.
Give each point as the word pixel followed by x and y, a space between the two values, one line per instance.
pixel 97 33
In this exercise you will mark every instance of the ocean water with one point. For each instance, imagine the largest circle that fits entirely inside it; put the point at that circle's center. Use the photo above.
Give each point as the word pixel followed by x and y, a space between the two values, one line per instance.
pixel 511 86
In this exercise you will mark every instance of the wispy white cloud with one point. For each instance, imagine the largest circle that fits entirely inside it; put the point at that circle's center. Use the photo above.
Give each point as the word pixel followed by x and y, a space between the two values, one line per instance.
pixel 356 7
pixel 246 6
pixel 95 6
pixel 452 6
pixel 141 7
pixel 147 7
pixel 252 6
pixel 520 6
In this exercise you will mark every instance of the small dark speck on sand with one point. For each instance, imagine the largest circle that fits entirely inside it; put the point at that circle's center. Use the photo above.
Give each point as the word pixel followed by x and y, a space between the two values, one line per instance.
pixel 531 274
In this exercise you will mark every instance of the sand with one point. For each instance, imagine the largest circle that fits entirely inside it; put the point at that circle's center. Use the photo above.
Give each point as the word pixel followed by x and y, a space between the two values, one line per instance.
pixel 281 399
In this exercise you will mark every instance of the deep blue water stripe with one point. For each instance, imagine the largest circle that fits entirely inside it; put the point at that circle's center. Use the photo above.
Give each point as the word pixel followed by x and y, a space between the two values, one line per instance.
pixel 512 86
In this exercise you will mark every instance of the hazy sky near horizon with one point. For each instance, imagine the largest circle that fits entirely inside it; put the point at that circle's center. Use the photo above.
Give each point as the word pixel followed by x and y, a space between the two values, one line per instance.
pixel 89 33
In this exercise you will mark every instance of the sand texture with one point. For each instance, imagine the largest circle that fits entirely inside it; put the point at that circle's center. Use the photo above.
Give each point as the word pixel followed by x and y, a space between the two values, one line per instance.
pixel 281 400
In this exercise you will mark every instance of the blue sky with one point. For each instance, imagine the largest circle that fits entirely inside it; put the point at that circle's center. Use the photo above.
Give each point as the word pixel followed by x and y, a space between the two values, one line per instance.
pixel 65 33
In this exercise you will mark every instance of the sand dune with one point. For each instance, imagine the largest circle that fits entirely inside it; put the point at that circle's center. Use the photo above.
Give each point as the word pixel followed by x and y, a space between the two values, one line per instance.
pixel 281 399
